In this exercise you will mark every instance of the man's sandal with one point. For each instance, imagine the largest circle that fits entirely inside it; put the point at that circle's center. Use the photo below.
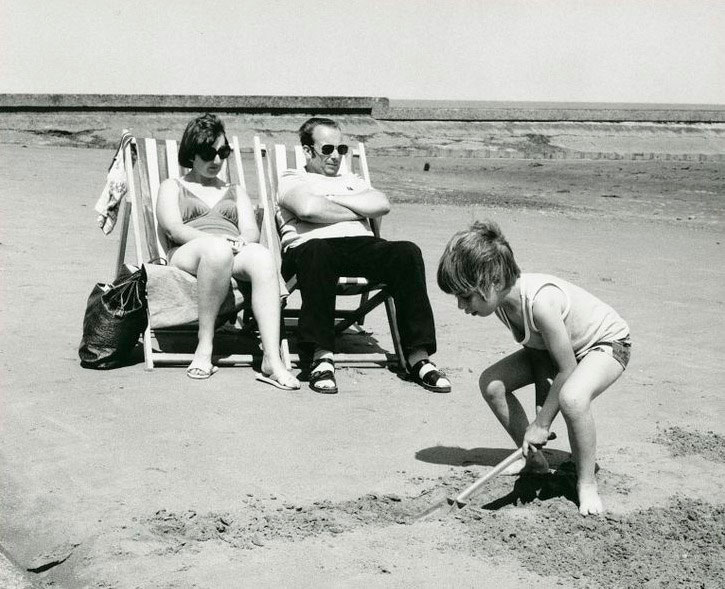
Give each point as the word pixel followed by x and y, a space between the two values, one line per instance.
pixel 320 375
pixel 429 377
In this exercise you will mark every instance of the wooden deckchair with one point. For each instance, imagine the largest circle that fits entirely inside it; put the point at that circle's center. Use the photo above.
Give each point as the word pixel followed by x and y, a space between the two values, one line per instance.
pixel 270 163
pixel 155 161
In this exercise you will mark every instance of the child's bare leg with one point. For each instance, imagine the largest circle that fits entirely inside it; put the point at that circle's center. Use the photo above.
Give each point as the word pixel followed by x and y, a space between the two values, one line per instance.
pixel 497 383
pixel 544 372
pixel 594 374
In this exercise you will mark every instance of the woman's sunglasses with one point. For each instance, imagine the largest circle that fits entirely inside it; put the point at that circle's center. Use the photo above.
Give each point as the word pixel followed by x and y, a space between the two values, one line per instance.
pixel 327 149
pixel 208 153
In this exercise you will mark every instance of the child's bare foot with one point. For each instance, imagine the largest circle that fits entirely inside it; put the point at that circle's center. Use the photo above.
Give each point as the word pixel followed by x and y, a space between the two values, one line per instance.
pixel 589 501
pixel 535 464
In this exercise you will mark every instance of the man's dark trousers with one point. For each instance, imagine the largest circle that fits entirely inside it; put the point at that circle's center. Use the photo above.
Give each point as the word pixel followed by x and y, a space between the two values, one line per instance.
pixel 318 263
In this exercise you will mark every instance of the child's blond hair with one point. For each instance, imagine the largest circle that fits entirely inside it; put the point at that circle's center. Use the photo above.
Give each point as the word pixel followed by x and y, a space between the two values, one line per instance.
pixel 477 259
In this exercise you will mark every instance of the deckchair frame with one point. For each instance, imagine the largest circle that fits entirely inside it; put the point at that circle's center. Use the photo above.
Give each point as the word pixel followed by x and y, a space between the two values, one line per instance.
pixel 139 213
pixel 270 163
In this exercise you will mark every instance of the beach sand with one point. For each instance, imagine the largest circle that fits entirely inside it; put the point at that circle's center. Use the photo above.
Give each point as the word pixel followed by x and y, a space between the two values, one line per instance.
pixel 128 478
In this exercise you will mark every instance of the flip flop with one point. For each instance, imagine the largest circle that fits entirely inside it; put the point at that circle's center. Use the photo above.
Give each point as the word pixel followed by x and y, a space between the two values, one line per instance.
pixel 267 378
pixel 196 373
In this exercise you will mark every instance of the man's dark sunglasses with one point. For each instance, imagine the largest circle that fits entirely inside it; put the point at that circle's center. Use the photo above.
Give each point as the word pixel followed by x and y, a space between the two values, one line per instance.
pixel 327 149
pixel 208 153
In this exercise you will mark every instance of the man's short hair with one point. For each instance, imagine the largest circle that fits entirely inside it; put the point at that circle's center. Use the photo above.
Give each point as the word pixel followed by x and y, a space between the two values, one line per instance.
pixel 476 260
pixel 308 127
pixel 201 131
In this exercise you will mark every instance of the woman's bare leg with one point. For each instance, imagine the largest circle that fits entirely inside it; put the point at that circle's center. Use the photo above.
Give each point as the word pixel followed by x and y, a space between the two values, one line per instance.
pixel 255 263
pixel 593 375
pixel 210 260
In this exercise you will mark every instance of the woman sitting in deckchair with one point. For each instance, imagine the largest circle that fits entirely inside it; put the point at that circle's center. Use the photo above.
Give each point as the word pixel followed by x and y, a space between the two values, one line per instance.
pixel 212 233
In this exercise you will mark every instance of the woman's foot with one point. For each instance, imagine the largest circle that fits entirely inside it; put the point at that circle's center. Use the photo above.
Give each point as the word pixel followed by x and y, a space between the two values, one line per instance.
pixel 200 372
pixel 278 376
pixel 201 367
pixel 589 501
pixel 535 464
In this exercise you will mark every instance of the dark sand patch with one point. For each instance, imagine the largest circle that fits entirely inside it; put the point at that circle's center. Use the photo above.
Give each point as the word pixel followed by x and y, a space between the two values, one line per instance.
pixel 682 442
pixel 531 519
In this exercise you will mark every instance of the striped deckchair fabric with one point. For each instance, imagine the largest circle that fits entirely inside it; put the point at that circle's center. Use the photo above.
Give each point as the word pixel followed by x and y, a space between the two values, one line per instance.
pixel 172 292
pixel 270 163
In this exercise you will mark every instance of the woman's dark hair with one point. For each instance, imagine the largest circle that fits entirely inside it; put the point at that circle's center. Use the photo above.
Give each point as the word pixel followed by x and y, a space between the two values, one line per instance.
pixel 308 127
pixel 200 131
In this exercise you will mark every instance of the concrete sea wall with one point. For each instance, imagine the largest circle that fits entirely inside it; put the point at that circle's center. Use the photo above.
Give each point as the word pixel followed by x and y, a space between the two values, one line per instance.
pixel 486 130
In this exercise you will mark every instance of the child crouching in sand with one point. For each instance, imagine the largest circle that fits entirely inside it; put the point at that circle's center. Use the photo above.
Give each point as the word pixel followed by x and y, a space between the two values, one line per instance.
pixel 573 344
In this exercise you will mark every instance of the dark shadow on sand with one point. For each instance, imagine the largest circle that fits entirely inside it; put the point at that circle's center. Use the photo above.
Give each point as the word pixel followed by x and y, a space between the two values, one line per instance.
pixel 246 341
pixel 456 456
pixel 530 487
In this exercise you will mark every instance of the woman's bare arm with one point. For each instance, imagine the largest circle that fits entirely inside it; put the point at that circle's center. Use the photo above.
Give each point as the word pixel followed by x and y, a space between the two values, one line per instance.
pixel 247 220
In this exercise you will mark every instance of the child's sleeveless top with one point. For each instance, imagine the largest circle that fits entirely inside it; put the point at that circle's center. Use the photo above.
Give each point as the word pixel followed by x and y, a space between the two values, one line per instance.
pixel 221 219
pixel 588 320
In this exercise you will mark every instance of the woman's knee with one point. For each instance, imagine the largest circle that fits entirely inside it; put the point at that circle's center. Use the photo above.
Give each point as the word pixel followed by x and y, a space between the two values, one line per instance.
pixel 257 261
pixel 216 252
pixel 263 256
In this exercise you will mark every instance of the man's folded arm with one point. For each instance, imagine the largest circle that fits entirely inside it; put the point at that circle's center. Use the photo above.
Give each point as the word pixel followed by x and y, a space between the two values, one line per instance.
pixel 312 208
pixel 366 203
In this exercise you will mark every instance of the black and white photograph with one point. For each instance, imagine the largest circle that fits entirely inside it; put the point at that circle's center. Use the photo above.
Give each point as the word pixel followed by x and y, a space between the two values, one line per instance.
pixel 301 294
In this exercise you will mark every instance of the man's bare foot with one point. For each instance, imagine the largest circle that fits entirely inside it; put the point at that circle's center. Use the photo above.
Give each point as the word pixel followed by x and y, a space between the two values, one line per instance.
pixel 589 501
pixel 536 464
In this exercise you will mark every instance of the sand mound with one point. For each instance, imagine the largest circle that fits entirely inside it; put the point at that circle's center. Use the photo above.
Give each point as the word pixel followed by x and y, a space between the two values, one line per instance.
pixel 680 545
pixel 682 442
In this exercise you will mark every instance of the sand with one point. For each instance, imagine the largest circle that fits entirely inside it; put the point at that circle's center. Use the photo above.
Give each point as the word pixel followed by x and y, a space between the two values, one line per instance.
pixel 133 479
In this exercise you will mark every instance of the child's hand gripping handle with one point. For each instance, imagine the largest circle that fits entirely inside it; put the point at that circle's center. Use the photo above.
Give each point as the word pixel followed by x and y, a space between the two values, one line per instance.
pixel 460 500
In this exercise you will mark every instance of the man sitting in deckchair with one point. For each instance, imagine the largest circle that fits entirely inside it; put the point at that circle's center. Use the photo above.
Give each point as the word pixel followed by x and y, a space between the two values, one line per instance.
pixel 325 235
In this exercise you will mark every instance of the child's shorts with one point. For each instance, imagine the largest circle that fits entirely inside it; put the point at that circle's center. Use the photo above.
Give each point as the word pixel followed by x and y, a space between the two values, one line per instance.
pixel 620 350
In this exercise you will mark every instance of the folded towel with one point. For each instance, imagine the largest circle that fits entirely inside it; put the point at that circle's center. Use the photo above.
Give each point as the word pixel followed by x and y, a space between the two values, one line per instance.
pixel 173 297
pixel 115 189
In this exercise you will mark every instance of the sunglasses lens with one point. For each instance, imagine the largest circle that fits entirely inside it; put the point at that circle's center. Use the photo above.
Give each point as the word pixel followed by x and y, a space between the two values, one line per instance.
pixel 208 153
pixel 327 149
